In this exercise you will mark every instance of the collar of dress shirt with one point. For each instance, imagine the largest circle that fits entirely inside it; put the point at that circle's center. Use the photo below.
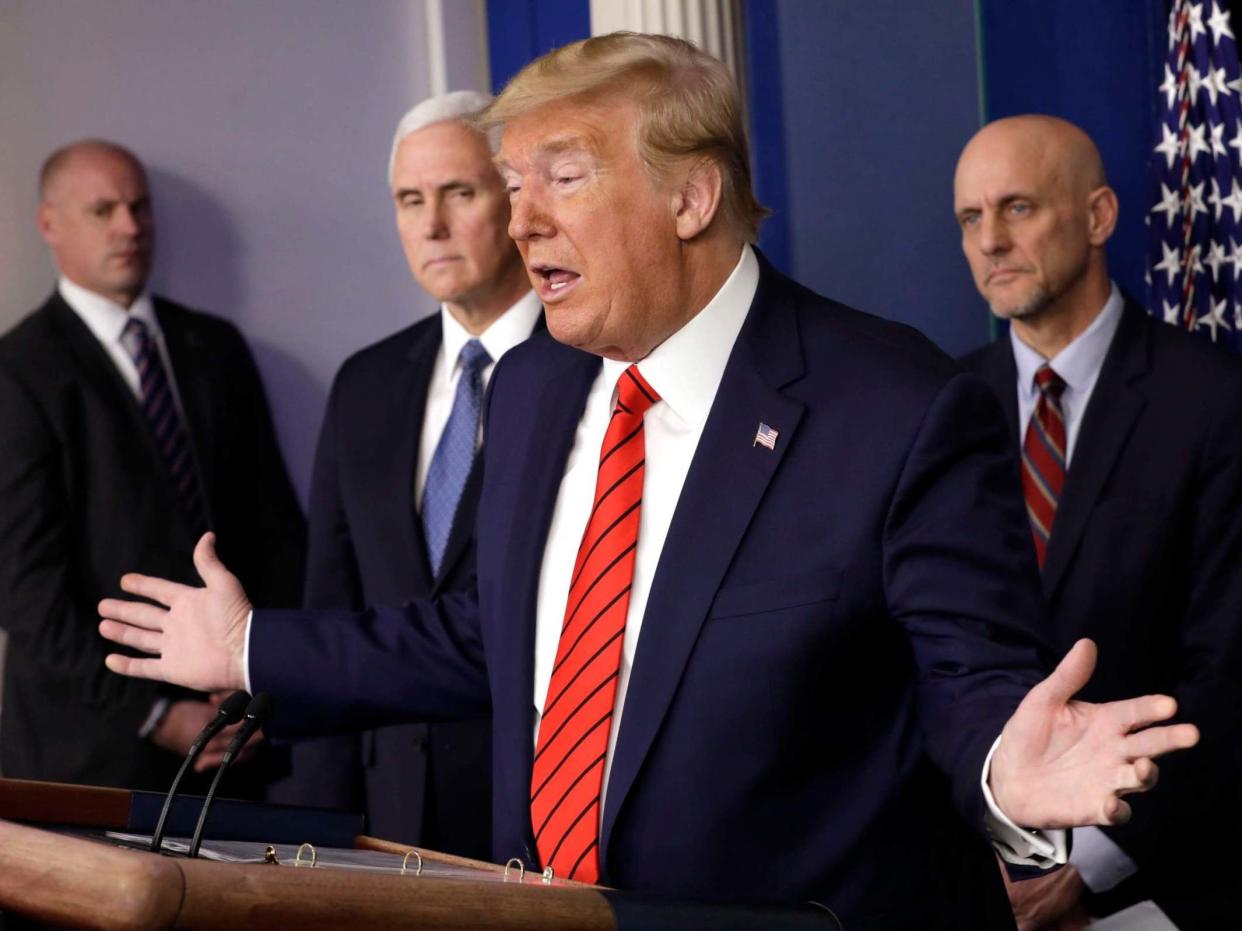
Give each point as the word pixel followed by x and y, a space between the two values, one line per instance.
pixel 1079 363
pixel 505 332
pixel 685 369
pixel 105 318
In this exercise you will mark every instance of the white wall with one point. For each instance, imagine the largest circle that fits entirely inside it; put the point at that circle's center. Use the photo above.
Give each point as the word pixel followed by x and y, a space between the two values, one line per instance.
pixel 266 128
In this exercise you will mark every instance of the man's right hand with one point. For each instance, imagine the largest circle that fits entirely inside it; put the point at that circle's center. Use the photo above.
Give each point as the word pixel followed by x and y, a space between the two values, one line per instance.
pixel 197 639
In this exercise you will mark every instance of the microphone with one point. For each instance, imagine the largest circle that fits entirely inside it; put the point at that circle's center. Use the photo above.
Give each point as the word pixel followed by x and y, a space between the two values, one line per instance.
pixel 229 712
pixel 257 714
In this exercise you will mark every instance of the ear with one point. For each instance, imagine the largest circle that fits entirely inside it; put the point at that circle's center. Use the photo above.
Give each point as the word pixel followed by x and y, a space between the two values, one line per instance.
pixel 698 200
pixel 1102 210
pixel 45 219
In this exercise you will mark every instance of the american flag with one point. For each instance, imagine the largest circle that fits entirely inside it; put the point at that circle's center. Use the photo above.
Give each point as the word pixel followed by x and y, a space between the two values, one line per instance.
pixel 1196 223
pixel 766 436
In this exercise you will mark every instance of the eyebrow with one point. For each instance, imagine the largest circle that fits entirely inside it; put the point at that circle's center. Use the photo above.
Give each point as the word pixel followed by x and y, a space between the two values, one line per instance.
pixel 446 187
pixel 555 146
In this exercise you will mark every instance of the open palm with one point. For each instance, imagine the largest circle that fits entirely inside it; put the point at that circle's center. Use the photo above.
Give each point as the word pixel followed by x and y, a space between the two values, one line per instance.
pixel 196 637
pixel 1063 763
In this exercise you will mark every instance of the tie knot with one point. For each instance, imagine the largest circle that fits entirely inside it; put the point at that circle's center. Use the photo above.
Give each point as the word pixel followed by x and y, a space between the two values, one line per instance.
pixel 634 395
pixel 1049 383
pixel 134 336
pixel 473 357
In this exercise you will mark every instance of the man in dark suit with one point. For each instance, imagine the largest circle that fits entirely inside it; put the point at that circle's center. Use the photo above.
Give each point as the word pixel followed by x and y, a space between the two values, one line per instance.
pixel 1132 466
pixel 128 425
pixel 385 426
pixel 742 584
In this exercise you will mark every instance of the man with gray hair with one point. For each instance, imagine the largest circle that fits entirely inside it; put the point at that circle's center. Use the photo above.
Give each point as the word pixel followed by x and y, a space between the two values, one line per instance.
pixel 395 486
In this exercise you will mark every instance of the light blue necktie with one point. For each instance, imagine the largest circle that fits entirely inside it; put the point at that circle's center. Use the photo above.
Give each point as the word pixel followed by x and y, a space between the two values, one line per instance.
pixel 454 455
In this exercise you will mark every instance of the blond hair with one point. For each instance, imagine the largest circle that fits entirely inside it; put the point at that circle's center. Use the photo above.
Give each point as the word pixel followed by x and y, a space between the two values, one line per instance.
pixel 688 105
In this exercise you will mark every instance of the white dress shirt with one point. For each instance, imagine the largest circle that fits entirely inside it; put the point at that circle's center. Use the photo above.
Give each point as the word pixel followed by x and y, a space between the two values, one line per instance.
pixel 1097 858
pixel 505 332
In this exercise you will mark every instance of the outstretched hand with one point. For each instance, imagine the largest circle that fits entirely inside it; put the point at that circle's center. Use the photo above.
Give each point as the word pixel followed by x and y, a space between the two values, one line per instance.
pixel 196 637
pixel 1063 763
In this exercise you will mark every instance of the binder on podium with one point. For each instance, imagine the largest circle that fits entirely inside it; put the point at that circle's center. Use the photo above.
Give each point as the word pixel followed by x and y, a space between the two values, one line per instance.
pixel 72 863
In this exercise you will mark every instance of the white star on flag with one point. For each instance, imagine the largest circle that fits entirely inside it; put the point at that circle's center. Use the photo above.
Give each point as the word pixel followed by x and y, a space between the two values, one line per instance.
pixel 1219 23
pixel 1169 146
pixel 1216 258
pixel 1215 318
pixel 1170 204
pixel 1197 143
pixel 1171 264
pixel 1214 82
pixel 1234 201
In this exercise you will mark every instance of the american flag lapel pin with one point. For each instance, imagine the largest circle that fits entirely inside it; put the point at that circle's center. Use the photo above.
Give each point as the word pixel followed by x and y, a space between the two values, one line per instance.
pixel 766 436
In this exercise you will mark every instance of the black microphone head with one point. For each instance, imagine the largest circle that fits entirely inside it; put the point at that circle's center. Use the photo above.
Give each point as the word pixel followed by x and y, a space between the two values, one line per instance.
pixel 233 707
pixel 260 709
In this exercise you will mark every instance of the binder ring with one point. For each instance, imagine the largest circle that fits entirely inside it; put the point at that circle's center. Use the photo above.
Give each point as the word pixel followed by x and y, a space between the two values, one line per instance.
pixel 314 857
pixel 418 869
pixel 521 869
pixel 547 876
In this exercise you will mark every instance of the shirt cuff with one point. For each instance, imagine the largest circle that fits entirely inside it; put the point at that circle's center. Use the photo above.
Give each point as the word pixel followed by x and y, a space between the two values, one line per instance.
pixel 1101 863
pixel 158 710
pixel 246 654
pixel 1016 845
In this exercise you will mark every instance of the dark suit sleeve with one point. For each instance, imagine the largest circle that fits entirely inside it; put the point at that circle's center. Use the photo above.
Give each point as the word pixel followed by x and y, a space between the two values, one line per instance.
pixel 960 577
pixel 1202 784
pixel 42 604
pixel 327 771
pixel 340 671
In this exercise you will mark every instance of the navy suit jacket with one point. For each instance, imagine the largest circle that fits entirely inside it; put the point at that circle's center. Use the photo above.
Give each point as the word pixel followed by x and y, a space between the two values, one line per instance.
pixel 426 784
pixel 830 621
pixel 1144 559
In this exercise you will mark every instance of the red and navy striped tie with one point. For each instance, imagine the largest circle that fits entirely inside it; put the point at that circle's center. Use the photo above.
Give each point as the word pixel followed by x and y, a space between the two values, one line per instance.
pixel 1043 459
pixel 568 774
pixel 162 417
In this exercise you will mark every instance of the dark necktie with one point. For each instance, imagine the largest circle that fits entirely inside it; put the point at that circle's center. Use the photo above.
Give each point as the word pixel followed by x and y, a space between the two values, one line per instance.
pixel 567 777
pixel 454 455
pixel 160 411
pixel 1043 459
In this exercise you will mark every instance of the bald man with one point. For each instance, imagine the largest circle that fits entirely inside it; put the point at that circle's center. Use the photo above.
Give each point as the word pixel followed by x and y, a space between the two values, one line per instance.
pixel 1131 465
pixel 128 424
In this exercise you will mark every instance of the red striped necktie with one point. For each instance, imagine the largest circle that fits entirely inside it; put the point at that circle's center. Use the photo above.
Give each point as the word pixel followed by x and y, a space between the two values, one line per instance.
pixel 1043 459
pixel 568 774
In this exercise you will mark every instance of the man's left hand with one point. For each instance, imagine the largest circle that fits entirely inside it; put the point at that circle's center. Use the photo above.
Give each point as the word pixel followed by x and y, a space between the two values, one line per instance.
pixel 1063 763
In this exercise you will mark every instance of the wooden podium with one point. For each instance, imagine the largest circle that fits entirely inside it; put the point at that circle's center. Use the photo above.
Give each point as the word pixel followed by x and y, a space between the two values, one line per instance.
pixel 52 872
pixel 78 882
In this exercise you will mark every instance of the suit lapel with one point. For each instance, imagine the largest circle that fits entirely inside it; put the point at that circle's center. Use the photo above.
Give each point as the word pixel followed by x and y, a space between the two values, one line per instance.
pixel 406 404
pixel 1106 424
pixel 462 533
pixel 548 444
pixel 727 467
